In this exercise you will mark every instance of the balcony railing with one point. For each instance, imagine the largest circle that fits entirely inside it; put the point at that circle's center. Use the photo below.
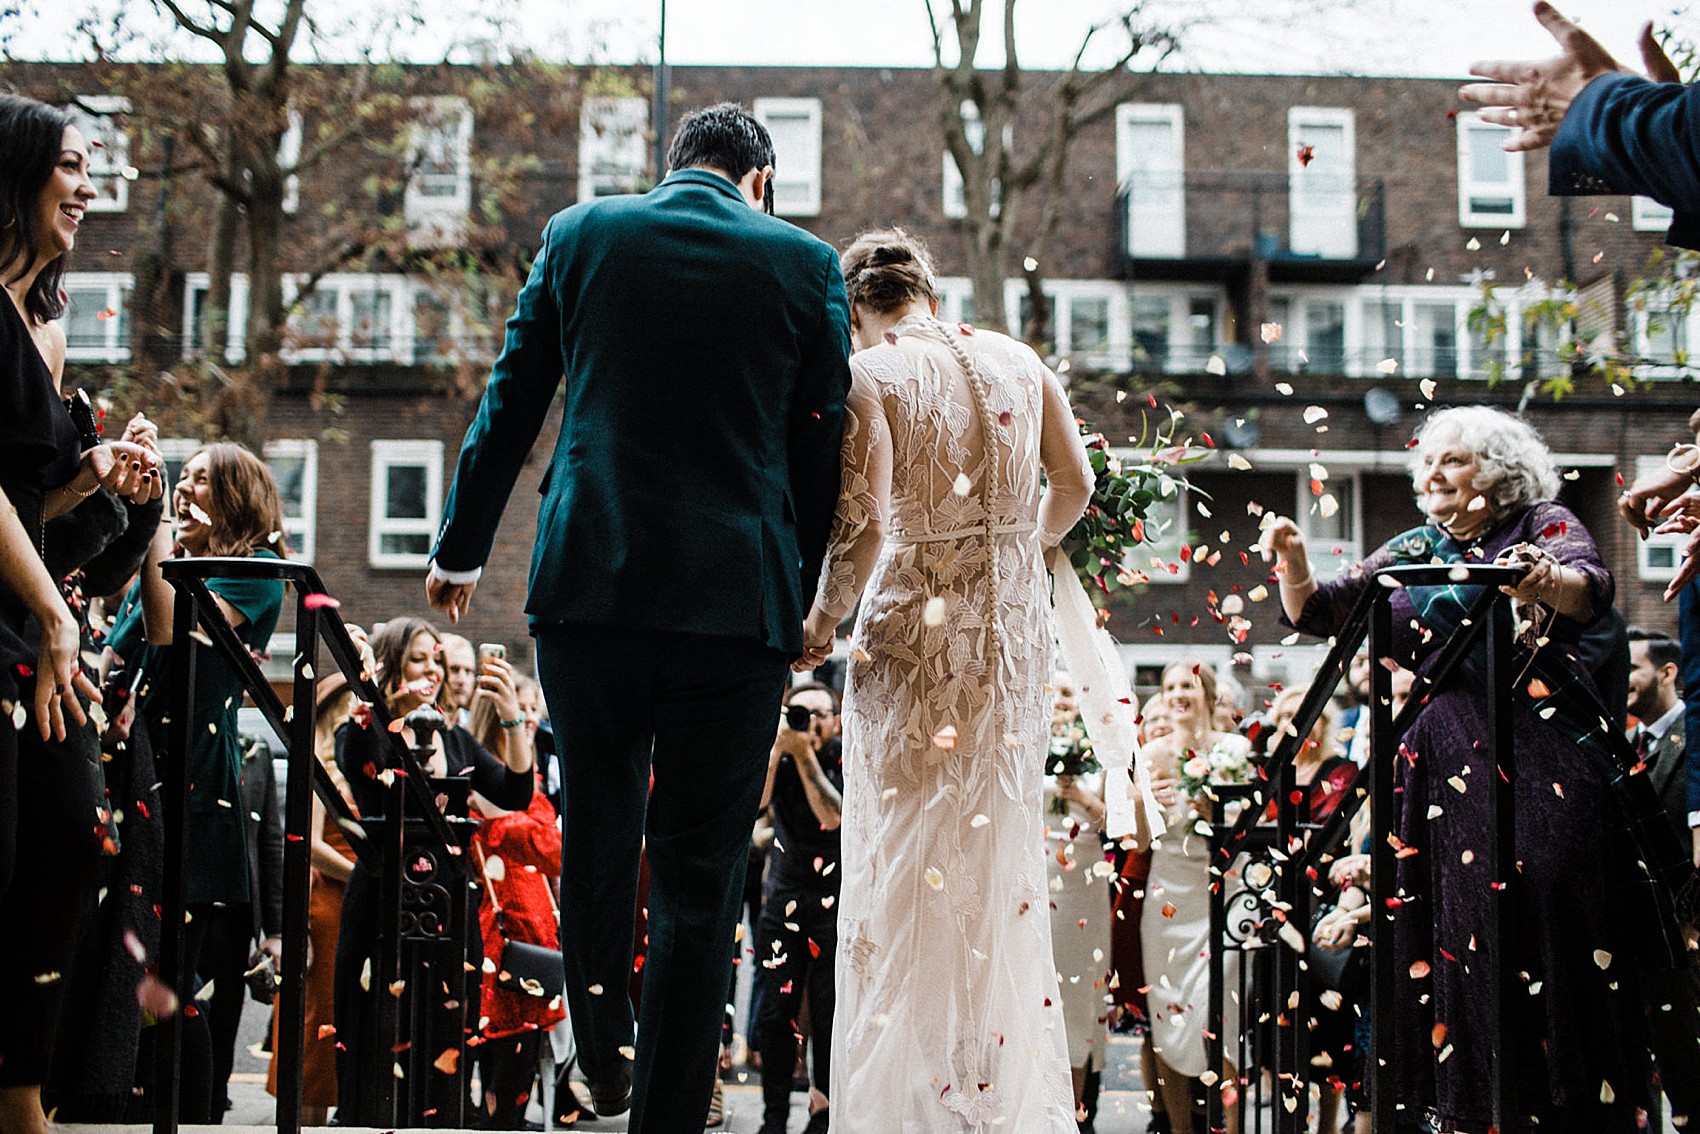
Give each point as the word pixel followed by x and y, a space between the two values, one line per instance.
pixel 1194 224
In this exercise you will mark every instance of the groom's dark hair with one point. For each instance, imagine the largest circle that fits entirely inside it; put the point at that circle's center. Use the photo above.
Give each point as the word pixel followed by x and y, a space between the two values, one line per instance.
pixel 725 137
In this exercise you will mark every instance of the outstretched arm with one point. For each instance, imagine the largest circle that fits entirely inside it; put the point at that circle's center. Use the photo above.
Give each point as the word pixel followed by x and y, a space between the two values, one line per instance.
pixel 1534 97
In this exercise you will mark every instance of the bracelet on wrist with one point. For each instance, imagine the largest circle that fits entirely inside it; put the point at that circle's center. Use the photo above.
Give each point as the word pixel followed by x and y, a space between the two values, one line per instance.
pixel 1295 584
pixel 515 723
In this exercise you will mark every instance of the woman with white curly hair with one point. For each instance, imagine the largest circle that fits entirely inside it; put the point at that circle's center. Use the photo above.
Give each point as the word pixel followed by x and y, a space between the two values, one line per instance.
pixel 1578 1041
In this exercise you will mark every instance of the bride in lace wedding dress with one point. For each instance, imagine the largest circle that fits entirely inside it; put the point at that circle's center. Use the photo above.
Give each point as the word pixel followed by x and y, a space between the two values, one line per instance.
pixel 948 1018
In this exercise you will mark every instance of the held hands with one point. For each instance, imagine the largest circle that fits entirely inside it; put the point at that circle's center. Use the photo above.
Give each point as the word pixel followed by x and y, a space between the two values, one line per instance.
pixel 453 599
pixel 1336 931
pixel 1533 97
pixel 819 631
pixel 1352 870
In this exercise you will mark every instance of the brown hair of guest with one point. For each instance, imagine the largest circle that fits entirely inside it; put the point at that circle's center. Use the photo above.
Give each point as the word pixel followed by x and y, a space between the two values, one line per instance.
pixel 247 515
pixel 389 649
pixel 886 269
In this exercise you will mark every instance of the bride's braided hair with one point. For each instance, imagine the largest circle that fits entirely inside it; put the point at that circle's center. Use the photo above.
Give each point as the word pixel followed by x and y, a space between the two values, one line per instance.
pixel 888 269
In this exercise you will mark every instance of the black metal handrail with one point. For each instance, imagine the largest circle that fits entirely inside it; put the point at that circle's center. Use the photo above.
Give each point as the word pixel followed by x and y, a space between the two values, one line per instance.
pixel 198 621
pixel 1296 848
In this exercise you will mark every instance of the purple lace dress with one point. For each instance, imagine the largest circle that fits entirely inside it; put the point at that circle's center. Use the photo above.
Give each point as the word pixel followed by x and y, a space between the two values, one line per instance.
pixel 1578 1045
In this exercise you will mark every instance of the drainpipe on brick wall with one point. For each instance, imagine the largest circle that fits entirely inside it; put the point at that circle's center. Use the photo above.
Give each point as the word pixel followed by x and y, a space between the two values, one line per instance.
pixel 1567 237
pixel 663 91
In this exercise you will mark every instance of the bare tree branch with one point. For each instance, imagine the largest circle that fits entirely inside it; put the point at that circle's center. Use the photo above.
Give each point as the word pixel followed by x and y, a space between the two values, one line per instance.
pixel 189 25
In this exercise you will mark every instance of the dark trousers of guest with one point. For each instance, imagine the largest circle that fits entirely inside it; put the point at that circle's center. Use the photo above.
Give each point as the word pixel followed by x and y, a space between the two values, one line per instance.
pixel 507 1069
pixel 49 848
pixel 448 1020
pixel 698 712
pixel 223 963
pixel 782 986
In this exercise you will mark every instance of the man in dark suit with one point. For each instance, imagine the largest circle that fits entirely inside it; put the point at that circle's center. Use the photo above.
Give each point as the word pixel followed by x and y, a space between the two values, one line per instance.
pixel 684 519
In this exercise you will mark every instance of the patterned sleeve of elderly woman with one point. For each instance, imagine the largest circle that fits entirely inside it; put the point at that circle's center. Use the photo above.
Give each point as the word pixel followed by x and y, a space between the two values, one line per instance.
pixel 1555 529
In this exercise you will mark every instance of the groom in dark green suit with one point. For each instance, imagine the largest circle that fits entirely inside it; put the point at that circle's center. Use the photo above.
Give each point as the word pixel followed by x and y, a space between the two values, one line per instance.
pixel 685 513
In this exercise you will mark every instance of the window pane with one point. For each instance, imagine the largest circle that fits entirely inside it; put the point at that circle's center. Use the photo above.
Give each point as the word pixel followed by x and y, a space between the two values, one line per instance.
pixel 1339 527
pixel 85 319
pixel 404 492
pixel 1150 318
pixel 319 317
pixel 795 161
pixel 394 544
pixel 1089 324
pixel 1436 351
pixel 372 318
pixel 1325 337
pixel 1384 333
pixel 1489 164
pixel 1200 331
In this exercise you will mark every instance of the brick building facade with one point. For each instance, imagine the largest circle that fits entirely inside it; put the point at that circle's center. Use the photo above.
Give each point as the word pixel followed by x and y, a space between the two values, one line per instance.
pixel 1361 215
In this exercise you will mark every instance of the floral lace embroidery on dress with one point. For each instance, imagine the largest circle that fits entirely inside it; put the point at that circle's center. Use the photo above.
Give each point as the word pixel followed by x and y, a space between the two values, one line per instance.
pixel 948 1018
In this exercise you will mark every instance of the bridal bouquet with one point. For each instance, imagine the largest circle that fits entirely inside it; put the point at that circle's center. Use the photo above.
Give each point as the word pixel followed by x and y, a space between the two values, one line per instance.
pixel 1069 754
pixel 1126 488
pixel 1220 765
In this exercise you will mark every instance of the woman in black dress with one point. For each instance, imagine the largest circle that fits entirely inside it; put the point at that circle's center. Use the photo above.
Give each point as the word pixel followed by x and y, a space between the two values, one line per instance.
pixel 410 673
pixel 51 825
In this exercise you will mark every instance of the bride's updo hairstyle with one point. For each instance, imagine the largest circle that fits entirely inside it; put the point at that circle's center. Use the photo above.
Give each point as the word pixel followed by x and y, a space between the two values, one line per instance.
pixel 887 269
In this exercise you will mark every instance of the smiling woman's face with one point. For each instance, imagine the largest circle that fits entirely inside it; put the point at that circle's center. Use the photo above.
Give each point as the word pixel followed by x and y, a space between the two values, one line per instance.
pixel 421 674
pixel 60 206
pixel 1446 479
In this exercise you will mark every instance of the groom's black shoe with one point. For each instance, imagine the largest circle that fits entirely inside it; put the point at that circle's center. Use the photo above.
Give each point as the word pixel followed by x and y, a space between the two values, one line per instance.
pixel 614 1096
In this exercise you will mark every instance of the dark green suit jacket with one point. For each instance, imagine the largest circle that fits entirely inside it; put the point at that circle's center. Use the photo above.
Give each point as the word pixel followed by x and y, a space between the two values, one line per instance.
pixel 705 350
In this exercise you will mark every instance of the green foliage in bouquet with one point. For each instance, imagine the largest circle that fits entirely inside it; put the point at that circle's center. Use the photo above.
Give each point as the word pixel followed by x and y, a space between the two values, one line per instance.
pixel 1127 489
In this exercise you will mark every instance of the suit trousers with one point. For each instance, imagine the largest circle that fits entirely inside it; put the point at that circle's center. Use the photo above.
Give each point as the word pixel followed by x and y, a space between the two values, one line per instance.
pixel 664 739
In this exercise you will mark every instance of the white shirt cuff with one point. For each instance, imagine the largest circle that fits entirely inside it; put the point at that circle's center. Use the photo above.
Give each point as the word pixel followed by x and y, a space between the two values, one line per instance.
pixel 458 578
pixel 1694 818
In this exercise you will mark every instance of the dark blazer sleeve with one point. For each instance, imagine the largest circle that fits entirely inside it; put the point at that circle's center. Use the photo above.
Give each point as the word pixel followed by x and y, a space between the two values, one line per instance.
pixel 1626 135
pixel 817 424
pixel 516 400
pixel 1688 627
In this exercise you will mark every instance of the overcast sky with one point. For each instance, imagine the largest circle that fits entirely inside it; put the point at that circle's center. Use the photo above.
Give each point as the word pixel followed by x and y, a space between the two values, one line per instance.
pixel 1376 37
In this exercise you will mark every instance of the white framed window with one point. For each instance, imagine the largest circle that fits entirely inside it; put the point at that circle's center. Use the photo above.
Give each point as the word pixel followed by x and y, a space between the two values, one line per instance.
pixel 1490 180
pixel 350 317
pixel 1647 215
pixel 97 319
pixel 446 328
pixel 196 287
pixel 613 146
pixel 1145 662
pixel 955 196
pixel 1329 512
pixel 407 502
pixel 288 157
pixel 1171 330
pixel 1662 334
pixel 1158 557
pixel 795 124
pixel 1322 181
pixel 439 166
pixel 1658 556
pixel 1150 167
pixel 295 466
pixel 100 119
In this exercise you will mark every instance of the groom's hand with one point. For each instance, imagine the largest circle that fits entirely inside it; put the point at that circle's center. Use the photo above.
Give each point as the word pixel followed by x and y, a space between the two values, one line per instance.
pixel 453 599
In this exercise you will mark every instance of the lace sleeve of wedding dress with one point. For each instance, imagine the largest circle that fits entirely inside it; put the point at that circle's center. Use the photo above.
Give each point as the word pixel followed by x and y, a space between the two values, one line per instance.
pixel 864 498
pixel 1068 472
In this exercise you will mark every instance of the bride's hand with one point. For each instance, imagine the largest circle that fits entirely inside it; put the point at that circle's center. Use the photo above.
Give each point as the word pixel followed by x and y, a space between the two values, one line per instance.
pixel 818 633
